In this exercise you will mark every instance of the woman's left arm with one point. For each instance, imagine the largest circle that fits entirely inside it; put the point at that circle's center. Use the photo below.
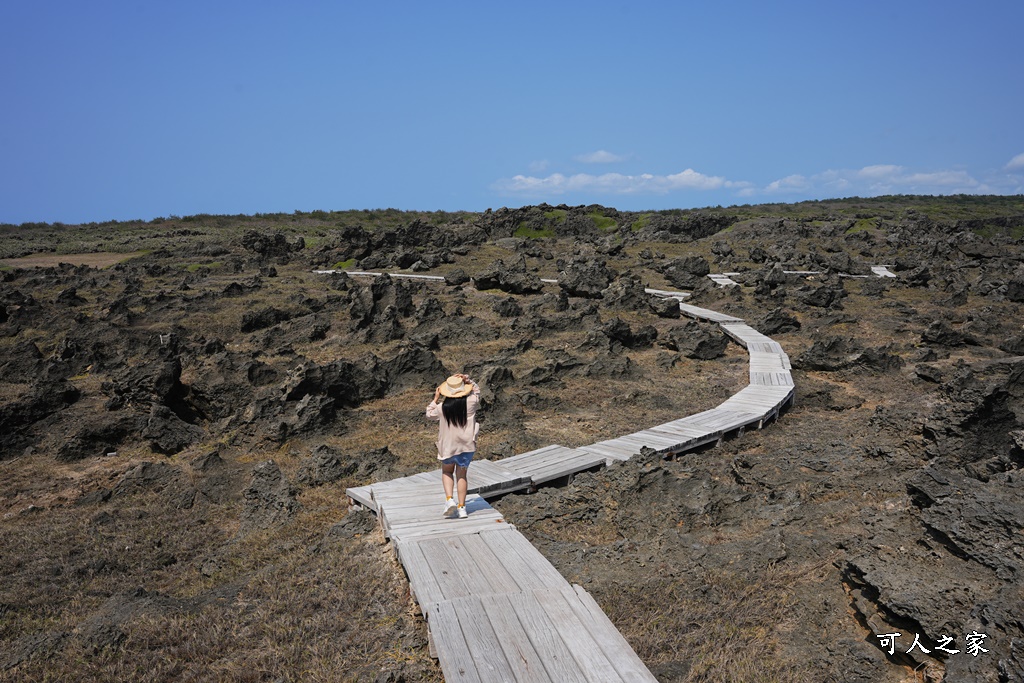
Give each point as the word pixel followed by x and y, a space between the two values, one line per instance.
pixel 466 378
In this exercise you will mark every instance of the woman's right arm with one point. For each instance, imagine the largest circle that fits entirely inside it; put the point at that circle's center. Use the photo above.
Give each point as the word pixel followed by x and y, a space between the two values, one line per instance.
pixel 434 408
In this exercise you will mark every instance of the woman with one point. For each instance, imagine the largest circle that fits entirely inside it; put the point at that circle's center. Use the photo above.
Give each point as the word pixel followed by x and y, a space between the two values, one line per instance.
pixel 456 437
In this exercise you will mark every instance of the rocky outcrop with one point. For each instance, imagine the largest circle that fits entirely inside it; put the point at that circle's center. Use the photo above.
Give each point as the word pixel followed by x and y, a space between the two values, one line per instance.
pixel 585 277
pixel 326 465
pixel 269 499
pixel 687 272
pixel 512 278
pixel 693 340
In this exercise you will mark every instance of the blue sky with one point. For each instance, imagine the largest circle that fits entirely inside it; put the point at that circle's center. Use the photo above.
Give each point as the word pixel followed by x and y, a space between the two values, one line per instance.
pixel 123 110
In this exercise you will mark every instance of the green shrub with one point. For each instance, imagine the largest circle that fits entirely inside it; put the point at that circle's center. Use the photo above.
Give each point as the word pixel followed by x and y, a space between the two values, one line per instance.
pixel 863 225
pixel 527 232
pixel 603 223
pixel 342 265
pixel 640 223
pixel 556 216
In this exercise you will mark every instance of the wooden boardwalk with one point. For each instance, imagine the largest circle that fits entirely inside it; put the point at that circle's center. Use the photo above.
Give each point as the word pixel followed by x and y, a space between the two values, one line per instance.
pixel 496 609
pixel 723 279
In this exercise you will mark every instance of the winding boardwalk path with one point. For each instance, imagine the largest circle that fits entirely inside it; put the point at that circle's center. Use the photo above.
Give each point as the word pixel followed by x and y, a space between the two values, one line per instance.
pixel 496 609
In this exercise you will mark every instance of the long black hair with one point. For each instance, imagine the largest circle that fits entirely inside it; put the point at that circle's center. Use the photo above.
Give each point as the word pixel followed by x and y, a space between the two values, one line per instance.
pixel 454 410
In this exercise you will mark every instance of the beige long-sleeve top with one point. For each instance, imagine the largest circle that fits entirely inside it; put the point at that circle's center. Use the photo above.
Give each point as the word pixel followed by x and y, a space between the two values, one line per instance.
pixel 452 440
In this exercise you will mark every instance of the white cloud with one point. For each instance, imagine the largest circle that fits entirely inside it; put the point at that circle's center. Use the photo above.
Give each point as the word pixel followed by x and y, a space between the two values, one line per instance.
pixel 616 183
pixel 874 180
pixel 868 181
pixel 879 171
pixel 940 179
pixel 1016 163
pixel 790 183
pixel 599 157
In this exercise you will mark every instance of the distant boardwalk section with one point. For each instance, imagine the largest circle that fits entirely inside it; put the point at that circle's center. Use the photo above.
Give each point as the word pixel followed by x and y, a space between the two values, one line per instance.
pixel 496 609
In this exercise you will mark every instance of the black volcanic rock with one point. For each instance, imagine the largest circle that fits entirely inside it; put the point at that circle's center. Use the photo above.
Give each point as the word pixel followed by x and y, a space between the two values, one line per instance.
pixel 980 519
pixel 686 272
pixel 512 278
pixel 698 341
pixel 939 332
pixel 626 293
pixel 585 277
pixel 778 322
pixel 269 499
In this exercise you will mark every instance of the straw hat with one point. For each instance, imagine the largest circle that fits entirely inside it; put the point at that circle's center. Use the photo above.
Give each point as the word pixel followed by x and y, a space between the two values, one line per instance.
pixel 454 387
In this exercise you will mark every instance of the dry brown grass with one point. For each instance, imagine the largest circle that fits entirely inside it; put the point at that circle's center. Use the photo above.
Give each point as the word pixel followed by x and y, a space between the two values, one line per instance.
pixel 283 604
pixel 726 630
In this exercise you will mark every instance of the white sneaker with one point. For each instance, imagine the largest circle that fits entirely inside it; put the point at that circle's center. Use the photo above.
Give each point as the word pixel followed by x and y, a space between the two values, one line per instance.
pixel 449 508
pixel 462 512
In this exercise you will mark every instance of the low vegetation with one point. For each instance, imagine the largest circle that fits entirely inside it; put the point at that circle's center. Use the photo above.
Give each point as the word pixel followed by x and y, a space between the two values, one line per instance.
pixel 151 374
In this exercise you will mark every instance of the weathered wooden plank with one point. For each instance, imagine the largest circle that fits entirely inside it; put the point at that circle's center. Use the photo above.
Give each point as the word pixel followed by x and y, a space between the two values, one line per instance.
pixel 765 347
pixel 433 527
pixel 648 438
pixel 544 456
pixel 736 402
pixel 622 656
pixel 422 582
pixel 361 495
pixel 522 559
pixel 364 273
pixel 477 558
pixel 668 294
pixel 558 471
pixel 450 577
pixel 484 477
pixel 753 402
pixel 527 664
pixel 683 428
pixel 722 280
pixel 707 314
pixel 406 514
pixel 481 641
pixel 711 418
pixel 770 363
pixel 760 391
pixel 610 453
pixel 477 582
pixel 777 379
pixel 752 405
pixel 452 654
pixel 765 357
pixel 688 442
pixel 485 520
pixel 406 489
pixel 616 452
pixel 553 465
pixel 559 663
pixel 576 636
pixel 487 473
pixel 572 460
pixel 745 336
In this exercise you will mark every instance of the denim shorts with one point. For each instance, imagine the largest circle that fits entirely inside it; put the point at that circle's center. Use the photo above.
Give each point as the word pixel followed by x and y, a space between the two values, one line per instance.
pixel 462 459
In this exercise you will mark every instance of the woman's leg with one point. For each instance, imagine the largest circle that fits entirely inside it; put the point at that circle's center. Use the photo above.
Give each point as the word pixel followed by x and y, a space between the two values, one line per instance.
pixel 463 484
pixel 446 479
